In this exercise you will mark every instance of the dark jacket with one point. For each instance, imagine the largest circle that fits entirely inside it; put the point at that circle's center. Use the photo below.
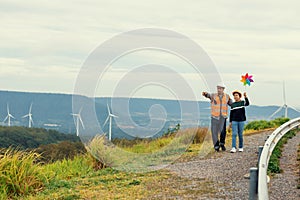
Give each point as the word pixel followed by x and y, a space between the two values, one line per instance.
pixel 237 111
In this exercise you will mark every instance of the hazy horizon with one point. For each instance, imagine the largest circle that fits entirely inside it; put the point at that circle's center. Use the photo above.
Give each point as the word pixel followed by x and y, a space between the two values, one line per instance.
pixel 58 93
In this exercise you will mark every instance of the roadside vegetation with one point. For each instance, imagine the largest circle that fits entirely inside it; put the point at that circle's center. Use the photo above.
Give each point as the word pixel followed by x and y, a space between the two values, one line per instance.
pixel 65 170
pixel 274 162
pixel 77 179
pixel 298 164
pixel 264 124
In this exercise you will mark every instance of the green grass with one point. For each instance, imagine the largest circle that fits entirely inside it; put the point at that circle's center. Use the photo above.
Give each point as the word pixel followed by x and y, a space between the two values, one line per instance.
pixel 263 124
pixel 274 162
pixel 66 169
pixel 149 146
pixel 152 145
pixel 113 184
pixel 82 177
pixel 140 157
pixel 85 183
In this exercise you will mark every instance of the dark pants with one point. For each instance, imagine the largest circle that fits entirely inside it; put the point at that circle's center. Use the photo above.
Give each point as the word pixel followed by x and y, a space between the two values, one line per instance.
pixel 217 126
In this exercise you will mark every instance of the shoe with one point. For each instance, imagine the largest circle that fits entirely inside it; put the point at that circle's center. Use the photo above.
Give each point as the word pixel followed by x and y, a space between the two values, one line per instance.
pixel 233 150
pixel 241 149
pixel 217 148
pixel 223 148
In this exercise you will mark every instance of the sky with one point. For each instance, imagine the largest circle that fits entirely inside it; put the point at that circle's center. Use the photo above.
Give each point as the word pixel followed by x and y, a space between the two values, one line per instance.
pixel 44 44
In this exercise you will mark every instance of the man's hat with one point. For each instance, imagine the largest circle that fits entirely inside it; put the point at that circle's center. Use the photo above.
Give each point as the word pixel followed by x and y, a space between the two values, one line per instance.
pixel 237 91
pixel 222 85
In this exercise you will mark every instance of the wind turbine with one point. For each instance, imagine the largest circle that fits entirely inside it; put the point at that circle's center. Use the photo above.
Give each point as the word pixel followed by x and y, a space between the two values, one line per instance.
pixel 8 117
pixel 109 117
pixel 284 106
pixel 78 119
pixel 29 115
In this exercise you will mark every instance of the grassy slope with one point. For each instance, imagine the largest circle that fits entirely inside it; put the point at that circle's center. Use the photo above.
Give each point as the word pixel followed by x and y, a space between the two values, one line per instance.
pixel 76 179
pixel 85 183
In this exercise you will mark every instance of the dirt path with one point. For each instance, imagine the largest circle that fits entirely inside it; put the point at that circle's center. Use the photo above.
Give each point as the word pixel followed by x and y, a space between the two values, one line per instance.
pixel 283 186
pixel 226 170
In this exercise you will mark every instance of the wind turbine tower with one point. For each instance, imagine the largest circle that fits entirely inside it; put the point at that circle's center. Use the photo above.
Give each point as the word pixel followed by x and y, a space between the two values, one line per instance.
pixel 29 115
pixel 284 106
pixel 78 120
pixel 109 117
pixel 8 116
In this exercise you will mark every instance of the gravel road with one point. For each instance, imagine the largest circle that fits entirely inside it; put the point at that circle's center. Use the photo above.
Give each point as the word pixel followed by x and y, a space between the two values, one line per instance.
pixel 227 170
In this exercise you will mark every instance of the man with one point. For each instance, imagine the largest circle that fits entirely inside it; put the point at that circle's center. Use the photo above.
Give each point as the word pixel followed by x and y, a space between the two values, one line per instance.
pixel 219 113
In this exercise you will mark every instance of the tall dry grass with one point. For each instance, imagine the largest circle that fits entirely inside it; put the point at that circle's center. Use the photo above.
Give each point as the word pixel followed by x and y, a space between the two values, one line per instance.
pixel 19 174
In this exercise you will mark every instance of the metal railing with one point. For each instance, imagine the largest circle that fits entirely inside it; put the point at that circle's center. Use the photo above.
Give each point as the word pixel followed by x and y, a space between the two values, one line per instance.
pixel 259 184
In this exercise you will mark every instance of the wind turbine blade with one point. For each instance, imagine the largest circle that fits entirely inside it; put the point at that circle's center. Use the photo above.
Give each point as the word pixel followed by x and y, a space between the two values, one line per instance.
pixel 279 109
pixel 25 116
pixel 12 116
pixel 284 97
pixel 7 108
pixel 81 121
pixel 106 120
pixel 114 115
pixel 108 110
pixel 294 109
pixel 80 111
pixel 5 118
pixel 30 108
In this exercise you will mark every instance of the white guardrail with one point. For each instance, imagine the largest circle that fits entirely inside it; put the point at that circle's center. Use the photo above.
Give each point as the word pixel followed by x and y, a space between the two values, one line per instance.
pixel 267 152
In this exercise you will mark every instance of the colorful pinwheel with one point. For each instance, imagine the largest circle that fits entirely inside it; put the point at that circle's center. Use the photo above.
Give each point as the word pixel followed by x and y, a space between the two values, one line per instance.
pixel 247 79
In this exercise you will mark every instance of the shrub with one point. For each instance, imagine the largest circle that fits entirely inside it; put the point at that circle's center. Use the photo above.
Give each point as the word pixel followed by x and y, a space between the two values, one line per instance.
pixel 24 138
pixel 200 135
pixel 263 124
pixel 60 151
pixel 99 149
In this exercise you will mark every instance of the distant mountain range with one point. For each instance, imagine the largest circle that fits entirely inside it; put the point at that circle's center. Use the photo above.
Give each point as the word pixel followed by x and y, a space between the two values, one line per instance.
pixel 53 111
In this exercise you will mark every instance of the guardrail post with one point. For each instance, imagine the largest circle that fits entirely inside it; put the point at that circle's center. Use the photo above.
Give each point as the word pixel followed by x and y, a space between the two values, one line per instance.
pixel 260 148
pixel 253 183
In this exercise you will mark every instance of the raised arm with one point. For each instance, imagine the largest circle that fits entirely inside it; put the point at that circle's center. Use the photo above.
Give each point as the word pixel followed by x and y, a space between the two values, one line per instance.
pixel 229 101
pixel 206 94
pixel 247 103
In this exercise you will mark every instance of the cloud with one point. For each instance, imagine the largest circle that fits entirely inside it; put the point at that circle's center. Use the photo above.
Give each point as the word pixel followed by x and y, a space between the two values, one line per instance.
pixel 51 39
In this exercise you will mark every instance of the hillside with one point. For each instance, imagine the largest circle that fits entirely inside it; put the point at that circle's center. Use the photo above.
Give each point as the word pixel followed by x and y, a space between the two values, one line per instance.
pixel 31 137
pixel 55 109
pixel 197 173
